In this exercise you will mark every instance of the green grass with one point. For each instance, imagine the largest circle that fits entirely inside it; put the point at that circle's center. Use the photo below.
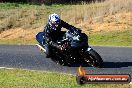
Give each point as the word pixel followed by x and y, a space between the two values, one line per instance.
pixel 17 78
pixel 114 38
pixel 8 5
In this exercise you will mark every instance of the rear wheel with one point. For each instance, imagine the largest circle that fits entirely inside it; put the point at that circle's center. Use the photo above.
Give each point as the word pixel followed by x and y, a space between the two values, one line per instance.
pixel 93 59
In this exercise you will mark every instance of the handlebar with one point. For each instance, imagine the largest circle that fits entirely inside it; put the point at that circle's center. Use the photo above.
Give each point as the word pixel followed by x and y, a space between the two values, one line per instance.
pixel 75 31
pixel 62 41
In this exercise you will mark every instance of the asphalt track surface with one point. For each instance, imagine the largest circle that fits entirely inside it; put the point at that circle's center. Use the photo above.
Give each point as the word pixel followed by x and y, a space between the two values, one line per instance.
pixel 117 60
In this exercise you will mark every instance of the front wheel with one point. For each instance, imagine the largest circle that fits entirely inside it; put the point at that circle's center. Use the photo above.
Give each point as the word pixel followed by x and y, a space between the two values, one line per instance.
pixel 93 58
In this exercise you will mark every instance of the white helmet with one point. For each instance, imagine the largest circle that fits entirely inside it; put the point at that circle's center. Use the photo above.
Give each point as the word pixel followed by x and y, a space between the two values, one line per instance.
pixel 54 20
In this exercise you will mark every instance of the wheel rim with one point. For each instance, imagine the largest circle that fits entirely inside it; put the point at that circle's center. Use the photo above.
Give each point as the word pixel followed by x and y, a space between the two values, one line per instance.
pixel 91 61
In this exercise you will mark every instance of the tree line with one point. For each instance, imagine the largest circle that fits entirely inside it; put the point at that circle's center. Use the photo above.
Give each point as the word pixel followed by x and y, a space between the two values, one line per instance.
pixel 49 1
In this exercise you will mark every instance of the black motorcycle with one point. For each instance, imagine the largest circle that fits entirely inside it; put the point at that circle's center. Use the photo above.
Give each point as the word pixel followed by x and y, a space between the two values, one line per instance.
pixel 74 51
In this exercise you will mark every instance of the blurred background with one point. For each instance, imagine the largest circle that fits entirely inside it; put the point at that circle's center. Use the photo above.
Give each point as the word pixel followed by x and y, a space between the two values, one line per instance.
pixel 106 22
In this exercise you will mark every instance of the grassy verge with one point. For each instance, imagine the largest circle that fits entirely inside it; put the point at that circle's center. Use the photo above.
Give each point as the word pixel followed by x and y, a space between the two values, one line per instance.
pixel 114 38
pixel 16 78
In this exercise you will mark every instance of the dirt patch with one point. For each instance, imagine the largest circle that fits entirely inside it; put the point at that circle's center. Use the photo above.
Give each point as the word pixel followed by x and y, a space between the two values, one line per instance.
pixel 120 21
pixel 19 33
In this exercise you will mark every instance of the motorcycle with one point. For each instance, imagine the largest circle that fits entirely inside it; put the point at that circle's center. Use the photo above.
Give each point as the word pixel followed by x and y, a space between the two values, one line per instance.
pixel 74 49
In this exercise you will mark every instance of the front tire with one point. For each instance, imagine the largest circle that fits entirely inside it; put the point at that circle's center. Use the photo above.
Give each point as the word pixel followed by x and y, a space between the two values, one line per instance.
pixel 94 59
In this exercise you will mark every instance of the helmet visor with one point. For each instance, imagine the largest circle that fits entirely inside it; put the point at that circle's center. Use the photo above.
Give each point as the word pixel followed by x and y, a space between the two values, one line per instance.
pixel 55 24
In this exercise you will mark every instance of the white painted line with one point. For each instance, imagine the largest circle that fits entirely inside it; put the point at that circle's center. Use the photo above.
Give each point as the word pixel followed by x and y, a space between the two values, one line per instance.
pixel 110 46
pixel 5 68
pixel 37 70
pixel 2 67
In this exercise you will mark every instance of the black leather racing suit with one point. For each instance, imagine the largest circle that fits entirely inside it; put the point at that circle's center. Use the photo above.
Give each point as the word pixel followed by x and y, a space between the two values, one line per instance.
pixel 51 35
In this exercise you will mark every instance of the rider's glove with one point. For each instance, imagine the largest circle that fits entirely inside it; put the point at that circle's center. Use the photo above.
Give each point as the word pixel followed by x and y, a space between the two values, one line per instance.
pixel 60 47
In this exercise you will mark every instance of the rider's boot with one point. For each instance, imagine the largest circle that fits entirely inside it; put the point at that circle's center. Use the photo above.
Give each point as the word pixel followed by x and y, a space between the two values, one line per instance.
pixel 48 51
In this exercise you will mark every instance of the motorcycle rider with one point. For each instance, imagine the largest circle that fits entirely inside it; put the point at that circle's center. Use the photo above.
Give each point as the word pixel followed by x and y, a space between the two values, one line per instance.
pixel 52 32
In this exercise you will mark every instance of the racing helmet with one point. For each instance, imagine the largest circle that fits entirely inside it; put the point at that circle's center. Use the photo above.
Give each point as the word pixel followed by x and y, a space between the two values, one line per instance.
pixel 54 21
